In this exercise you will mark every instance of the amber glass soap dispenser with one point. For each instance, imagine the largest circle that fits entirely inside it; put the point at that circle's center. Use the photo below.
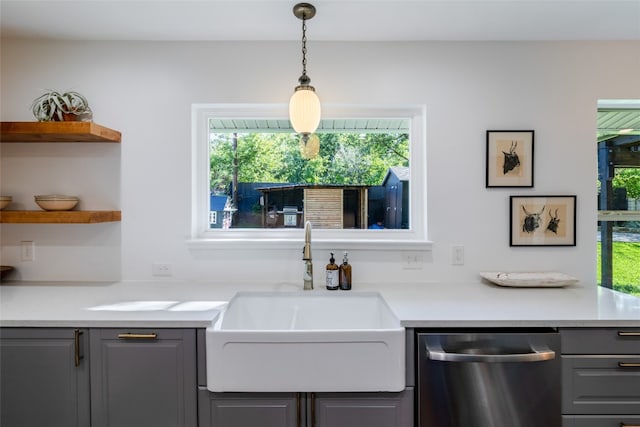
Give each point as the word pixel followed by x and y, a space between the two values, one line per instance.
pixel 333 274
pixel 345 274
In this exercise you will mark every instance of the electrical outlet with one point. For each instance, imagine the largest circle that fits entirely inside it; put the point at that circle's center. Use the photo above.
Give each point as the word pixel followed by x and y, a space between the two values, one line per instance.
pixel 412 260
pixel 161 270
pixel 27 251
pixel 457 255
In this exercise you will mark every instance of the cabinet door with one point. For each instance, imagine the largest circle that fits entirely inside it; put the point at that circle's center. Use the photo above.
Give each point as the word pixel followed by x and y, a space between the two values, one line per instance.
pixel 250 409
pixel 601 421
pixel 39 380
pixel 600 341
pixel 362 409
pixel 601 384
pixel 143 378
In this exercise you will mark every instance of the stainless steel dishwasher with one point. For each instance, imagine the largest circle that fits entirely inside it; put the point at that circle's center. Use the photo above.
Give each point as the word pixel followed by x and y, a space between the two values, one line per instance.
pixel 490 378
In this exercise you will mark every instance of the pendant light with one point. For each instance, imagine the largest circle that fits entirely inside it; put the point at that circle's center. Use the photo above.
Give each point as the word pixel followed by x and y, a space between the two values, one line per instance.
pixel 304 106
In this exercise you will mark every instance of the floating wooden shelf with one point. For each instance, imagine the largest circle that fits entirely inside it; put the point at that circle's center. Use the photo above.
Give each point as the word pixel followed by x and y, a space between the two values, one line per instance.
pixel 57 132
pixel 59 217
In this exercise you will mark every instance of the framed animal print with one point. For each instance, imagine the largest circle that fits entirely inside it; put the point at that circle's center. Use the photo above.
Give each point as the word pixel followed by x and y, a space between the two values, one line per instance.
pixel 542 221
pixel 509 158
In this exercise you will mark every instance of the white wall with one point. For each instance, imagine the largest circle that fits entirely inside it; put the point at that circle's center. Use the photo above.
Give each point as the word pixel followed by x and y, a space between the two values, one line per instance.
pixel 146 89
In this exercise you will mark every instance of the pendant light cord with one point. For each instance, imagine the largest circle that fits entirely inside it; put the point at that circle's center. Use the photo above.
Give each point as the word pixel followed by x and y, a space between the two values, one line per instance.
pixel 304 79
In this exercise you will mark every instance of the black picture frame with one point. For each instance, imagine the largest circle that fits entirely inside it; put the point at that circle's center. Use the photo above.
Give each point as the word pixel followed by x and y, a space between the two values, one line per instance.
pixel 542 220
pixel 509 158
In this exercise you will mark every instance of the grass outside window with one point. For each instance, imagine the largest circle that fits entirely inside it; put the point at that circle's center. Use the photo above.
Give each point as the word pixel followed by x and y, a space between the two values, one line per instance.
pixel 626 267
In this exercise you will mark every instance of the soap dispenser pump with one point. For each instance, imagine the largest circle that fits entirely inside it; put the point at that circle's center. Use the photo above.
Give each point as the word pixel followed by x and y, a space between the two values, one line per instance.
pixel 345 273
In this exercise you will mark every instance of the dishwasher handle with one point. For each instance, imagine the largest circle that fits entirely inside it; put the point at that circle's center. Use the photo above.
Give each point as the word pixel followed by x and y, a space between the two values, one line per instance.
pixel 536 355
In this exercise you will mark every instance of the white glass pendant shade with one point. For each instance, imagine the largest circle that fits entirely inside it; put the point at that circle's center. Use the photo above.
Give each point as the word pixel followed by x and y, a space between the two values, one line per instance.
pixel 304 110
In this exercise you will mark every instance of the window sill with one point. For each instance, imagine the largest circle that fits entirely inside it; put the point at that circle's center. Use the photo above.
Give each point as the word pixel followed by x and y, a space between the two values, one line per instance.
pixel 369 244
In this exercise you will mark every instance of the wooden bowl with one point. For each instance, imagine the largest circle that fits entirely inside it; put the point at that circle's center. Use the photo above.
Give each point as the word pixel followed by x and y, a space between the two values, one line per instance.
pixel 5 270
pixel 4 201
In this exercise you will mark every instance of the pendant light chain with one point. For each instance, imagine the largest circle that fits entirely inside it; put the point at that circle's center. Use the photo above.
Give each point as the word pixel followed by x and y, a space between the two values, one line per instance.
pixel 304 49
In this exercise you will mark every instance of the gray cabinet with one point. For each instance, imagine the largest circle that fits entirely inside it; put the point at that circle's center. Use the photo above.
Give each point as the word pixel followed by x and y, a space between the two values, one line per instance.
pixel 601 421
pixel 250 409
pixel 44 378
pixel 306 409
pixel 143 377
pixel 362 409
pixel 600 377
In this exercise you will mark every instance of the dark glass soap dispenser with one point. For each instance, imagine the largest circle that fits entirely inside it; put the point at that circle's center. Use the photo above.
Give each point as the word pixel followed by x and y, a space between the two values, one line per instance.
pixel 333 274
pixel 345 273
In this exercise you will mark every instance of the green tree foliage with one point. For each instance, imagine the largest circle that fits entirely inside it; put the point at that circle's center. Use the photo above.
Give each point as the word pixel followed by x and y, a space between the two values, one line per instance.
pixel 347 158
pixel 628 178
pixel 220 163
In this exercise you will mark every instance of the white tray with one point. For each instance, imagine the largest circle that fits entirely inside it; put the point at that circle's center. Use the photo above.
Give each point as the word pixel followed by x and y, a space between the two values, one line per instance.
pixel 531 280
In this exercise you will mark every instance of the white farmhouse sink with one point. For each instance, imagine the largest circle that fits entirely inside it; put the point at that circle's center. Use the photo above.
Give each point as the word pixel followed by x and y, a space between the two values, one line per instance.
pixel 306 341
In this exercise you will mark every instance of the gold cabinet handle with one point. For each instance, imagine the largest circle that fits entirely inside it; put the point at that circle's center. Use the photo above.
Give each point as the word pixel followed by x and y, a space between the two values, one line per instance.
pixel 298 411
pixel 629 364
pixel 130 336
pixel 313 410
pixel 629 425
pixel 629 334
pixel 76 342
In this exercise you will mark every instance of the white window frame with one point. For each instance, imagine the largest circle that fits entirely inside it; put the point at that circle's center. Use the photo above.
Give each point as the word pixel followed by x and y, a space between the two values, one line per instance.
pixel 204 238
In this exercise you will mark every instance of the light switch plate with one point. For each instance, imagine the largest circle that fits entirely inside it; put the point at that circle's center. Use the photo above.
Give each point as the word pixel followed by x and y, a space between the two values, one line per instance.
pixel 457 255
pixel 27 251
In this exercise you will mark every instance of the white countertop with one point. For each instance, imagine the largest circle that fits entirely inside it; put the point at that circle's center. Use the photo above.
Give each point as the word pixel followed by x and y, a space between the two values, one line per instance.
pixel 196 304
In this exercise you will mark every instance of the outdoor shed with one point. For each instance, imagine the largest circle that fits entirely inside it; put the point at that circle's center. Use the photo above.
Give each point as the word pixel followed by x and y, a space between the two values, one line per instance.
pixel 396 184
pixel 326 206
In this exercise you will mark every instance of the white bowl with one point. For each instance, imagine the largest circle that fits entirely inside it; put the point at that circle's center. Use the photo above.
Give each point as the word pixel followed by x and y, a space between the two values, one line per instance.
pixel 54 202
pixel 4 201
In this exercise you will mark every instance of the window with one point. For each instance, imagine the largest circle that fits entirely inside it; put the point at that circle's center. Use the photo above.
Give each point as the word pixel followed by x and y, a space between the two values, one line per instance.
pixel 619 195
pixel 350 180
pixel 366 186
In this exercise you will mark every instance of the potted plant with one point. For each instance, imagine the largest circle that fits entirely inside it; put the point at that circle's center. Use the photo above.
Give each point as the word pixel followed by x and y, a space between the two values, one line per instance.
pixel 68 106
